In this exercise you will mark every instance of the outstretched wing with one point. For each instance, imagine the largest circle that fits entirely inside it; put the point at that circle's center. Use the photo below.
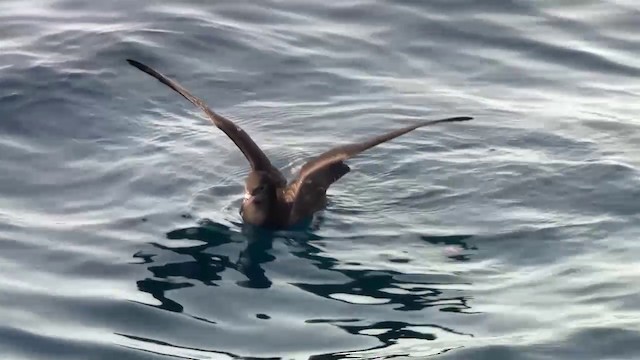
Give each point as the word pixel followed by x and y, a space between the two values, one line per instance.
pixel 257 159
pixel 319 171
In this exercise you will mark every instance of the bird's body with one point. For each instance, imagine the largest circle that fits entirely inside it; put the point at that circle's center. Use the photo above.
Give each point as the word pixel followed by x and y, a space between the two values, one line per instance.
pixel 269 200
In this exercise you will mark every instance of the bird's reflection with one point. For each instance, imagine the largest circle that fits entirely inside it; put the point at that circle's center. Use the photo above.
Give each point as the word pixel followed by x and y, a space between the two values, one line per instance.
pixel 207 261
pixel 253 256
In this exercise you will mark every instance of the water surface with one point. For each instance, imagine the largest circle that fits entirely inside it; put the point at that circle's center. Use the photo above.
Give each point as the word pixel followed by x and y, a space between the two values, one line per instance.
pixel 510 237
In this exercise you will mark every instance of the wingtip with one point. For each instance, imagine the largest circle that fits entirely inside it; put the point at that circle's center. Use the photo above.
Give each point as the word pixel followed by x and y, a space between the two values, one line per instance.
pixel 446 120
pixel 135 63
pixel 462 118
pixel 145 68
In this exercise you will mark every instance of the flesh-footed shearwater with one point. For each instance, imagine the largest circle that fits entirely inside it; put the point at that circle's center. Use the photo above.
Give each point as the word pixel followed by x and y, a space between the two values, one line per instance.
pixel 269 201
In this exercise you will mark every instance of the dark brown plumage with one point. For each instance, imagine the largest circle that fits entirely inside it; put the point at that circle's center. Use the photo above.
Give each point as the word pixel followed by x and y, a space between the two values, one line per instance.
pixel 269 201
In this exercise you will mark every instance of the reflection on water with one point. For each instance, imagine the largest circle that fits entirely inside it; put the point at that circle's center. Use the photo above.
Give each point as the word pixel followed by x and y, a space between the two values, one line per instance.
pixel 389 332
pixel 170 348
pixel 365 286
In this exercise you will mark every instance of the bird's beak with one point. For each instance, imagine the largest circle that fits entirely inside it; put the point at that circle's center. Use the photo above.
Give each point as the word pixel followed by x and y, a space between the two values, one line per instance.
pixel 248 198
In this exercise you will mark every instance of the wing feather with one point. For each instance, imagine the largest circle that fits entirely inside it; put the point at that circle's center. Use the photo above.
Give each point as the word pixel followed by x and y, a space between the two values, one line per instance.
pixel 256 157
pixel 344 152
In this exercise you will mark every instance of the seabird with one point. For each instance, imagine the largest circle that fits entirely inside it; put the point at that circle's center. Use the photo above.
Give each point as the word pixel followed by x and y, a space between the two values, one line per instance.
pixel 269 201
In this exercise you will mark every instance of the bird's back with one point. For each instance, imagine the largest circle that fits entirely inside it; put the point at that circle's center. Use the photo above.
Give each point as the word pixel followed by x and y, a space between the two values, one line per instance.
pixel 308 196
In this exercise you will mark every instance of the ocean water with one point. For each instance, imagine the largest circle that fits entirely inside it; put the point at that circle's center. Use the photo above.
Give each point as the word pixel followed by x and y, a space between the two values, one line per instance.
pixel 514 236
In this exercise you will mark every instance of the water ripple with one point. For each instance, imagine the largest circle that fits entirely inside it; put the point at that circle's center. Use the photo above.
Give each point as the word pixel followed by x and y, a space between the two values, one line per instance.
pixel 509 237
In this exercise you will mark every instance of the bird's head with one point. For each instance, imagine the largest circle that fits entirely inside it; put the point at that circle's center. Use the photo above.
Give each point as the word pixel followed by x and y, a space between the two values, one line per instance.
pixel 259 198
